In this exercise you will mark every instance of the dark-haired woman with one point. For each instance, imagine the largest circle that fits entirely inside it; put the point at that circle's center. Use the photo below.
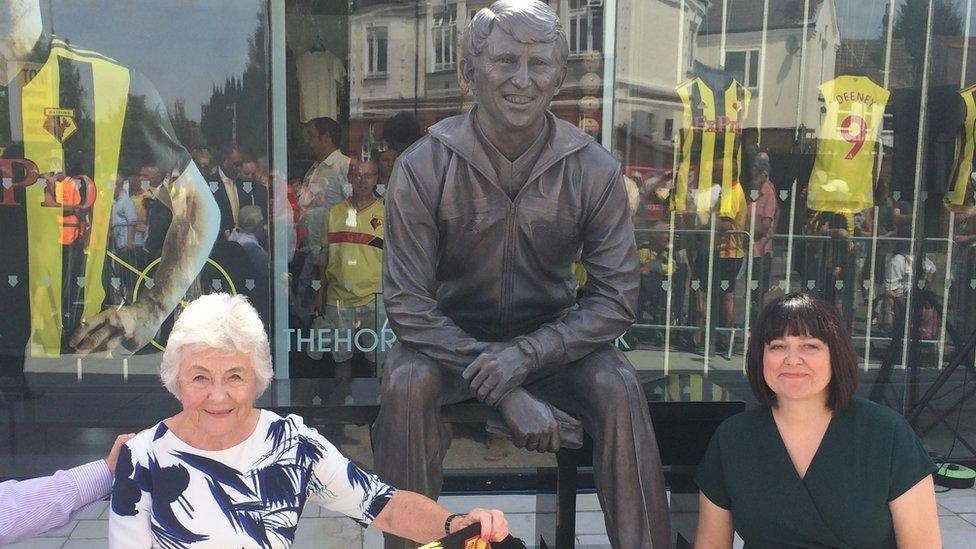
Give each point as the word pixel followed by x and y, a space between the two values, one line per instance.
pixel 813 466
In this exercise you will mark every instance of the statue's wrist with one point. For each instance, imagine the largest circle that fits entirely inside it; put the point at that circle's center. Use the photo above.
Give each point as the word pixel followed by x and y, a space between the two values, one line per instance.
pixel 521 353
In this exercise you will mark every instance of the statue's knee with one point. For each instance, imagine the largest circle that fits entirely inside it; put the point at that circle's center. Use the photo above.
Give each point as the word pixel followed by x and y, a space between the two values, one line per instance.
pixel 615 385
pixel 414 381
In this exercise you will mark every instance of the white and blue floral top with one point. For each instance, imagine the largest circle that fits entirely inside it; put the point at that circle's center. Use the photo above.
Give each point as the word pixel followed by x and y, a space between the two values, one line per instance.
pixel 170 495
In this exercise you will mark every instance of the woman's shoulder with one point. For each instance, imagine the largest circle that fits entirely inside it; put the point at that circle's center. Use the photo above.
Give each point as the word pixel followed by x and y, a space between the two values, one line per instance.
pixel 274 427
pixel 272 420
pixel 144 441
pixel 744 421
pixel 872 415
pixel 874 425
pixel 740 430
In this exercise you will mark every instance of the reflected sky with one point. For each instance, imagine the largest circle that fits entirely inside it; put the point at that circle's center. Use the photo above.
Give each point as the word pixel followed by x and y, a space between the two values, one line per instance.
pixel 183 46
pixel 863 18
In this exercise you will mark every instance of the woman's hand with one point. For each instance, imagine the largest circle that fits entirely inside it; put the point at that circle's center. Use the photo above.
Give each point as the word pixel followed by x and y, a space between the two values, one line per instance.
pixel 494 527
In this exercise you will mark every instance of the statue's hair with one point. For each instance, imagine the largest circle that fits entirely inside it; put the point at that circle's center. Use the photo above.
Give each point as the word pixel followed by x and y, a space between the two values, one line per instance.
pixel 222 322
pixel 526 21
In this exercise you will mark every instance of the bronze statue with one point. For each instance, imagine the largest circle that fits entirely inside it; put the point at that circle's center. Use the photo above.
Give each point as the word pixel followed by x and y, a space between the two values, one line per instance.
pixel 485 216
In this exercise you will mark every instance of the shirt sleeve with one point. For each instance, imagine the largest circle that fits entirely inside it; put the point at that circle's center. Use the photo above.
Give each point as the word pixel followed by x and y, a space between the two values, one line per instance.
pixel 129 212
pixel 35 506
pixel 339 485
pixel 147 133
pixel 333 188
pixel 129 522
pixel 710 476
pixel 732 203
pixel 895 273
pixel 910 462
pixel 767 207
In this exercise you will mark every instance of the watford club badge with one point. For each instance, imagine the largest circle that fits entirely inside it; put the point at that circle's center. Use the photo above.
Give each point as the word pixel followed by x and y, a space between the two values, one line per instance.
pixel 60 123
pixel 376 223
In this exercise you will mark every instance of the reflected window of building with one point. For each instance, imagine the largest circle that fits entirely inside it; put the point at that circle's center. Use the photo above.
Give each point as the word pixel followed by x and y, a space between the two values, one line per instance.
pixel 585 26
pixel 376 43
pixel 744 66
pixel 443 34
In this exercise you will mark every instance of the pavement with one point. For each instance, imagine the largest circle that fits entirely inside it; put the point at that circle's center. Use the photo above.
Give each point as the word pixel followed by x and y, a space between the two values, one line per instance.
pixel 319 528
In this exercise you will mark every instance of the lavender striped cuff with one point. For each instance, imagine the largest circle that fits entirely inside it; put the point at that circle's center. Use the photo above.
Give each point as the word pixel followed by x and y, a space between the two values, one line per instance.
pixel 39 505
pixel 93 480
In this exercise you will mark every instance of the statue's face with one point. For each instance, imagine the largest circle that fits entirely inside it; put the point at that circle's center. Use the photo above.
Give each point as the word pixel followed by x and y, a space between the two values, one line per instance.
pixel 514 82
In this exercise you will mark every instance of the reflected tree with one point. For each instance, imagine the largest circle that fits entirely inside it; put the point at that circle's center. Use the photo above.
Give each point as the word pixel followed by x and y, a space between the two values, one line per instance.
pixel 238 109
pixel 187 131
pixel 912 19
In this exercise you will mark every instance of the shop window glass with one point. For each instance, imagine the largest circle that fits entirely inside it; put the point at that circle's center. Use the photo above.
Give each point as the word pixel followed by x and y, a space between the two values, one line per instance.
pixel 863 109
pixel 117 107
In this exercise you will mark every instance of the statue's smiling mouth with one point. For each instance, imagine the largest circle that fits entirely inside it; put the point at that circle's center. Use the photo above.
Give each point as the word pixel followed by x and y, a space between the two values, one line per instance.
pixel 518 99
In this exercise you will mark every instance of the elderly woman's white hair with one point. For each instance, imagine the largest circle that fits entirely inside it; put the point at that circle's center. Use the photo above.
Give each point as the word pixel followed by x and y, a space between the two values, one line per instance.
pixel 223 322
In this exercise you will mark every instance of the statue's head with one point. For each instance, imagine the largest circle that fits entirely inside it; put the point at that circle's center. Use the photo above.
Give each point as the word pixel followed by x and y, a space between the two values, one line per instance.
pixel 513 57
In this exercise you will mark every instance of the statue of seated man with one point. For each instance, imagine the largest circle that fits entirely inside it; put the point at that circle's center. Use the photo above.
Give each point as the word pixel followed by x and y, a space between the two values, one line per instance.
pixel 485 216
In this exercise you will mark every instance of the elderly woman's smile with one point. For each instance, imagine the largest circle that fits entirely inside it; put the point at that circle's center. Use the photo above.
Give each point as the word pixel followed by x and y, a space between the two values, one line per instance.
pixel 217 388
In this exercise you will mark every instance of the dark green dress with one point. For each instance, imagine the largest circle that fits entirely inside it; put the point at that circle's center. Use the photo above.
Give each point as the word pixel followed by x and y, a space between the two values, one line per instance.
pixel 868 457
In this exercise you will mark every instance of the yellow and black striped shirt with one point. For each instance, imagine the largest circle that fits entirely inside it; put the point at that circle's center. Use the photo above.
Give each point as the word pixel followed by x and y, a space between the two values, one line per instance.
pixel 72 120
pixel 959 194
pixel 710 141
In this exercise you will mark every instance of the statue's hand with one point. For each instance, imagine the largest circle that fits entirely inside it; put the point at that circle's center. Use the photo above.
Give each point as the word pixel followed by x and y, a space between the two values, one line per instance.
pixel 531 421
pixel 126 326
pixel 495 373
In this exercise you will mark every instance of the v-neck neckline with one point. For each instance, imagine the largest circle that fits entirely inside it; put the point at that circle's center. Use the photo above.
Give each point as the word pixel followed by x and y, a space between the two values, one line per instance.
pixel 784 451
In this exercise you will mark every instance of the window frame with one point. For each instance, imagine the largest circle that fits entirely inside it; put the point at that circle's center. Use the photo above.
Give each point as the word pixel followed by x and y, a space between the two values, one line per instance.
pixel 374 35
pixel 586 11
pixel 750 64
pixel 448 32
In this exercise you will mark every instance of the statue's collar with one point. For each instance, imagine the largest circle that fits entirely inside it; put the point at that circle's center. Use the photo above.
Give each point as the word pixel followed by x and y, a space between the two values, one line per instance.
pixel 458 133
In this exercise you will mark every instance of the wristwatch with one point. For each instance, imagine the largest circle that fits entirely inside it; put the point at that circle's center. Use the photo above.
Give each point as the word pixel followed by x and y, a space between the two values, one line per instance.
pixel 450 520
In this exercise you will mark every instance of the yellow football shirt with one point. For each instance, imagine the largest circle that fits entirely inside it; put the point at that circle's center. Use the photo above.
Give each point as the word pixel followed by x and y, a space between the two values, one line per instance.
pixel 843 172
pixel 710 150
pixel 355 242
pixel 960 181
pixel 733 207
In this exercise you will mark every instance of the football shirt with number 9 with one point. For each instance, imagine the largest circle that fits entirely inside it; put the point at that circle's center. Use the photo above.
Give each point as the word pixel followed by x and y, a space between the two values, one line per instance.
pixel 843 173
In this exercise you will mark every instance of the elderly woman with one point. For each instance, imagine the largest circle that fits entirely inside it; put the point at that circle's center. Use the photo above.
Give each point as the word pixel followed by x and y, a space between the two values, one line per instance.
pixel 222 473
pixel 813 466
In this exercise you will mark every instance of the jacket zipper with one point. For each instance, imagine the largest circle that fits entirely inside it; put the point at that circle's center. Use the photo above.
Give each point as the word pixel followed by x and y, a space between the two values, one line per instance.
pixel 508 282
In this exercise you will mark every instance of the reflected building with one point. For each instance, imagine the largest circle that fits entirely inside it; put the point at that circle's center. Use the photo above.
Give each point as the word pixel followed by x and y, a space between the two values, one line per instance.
pixel 408 59
pixel 781 56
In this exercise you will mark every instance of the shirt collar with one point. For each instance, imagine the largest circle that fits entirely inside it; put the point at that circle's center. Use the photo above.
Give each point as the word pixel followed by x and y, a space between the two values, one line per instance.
pixel 223 177
pixel 528 157
pixel 333 158
pixel 457 133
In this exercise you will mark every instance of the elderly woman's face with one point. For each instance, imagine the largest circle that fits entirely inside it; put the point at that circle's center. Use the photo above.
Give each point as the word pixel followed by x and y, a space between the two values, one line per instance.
pixel 217 389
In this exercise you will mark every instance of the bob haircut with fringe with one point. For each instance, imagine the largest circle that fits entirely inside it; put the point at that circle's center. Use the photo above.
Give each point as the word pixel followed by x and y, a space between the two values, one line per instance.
pixel 222 322
pixel 802 314
pixel 526 21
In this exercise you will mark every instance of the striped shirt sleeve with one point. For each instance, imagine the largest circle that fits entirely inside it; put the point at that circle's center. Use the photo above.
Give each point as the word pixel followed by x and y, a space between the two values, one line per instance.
pixel 31 507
